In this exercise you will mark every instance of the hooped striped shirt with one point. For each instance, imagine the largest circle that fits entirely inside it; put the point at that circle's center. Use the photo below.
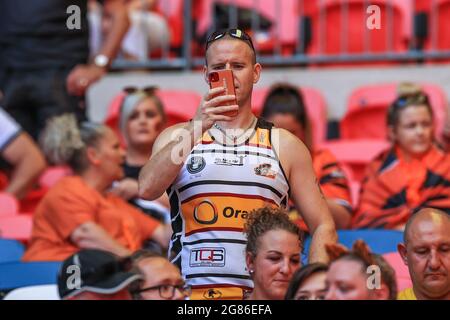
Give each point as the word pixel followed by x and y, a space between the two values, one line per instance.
pixel 210 200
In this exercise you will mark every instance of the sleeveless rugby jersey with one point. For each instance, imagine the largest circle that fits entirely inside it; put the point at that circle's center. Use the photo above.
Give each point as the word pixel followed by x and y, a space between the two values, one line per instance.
pixel 210 199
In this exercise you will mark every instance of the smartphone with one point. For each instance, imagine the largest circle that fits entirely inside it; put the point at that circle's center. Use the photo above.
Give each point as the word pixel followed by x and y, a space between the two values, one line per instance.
pixel 224 78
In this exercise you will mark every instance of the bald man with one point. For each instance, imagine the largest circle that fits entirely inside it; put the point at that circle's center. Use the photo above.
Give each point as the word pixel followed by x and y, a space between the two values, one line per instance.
pixel 426 252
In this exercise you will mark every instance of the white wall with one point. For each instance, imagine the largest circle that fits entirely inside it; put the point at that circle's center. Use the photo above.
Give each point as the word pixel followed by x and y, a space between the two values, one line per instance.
pixel 336 84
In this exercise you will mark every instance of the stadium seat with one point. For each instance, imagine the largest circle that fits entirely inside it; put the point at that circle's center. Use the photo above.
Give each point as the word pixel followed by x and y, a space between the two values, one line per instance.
pixel 379 241
pixel 43 292
pixel 9 206
pixel 23 274
pixel 52 175
pixel 284 30
pixel 172 10
pixel 3 180
pixel 367 108
pixel 360 39
pixel 401 270
pixel 179 105
pixel 315 105
pixel 438 23
pixel 16 227
pixel 356 154
pixel 10 250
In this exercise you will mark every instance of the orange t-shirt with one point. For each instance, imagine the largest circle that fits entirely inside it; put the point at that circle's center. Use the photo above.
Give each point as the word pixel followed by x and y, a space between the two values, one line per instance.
pixel 71 203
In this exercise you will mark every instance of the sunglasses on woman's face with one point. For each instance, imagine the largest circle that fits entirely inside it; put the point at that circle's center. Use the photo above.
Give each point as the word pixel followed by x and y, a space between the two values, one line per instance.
pixel 150 90
pixel 235 33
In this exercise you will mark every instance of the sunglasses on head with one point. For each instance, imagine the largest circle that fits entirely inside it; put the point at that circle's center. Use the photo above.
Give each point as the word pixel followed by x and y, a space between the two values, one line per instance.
pixel 150 90
pixel 235 33
pixel 404 101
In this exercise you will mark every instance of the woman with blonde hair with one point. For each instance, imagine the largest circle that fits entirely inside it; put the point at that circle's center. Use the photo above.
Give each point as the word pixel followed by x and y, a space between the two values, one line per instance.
pixel 80 212
pixel 413 174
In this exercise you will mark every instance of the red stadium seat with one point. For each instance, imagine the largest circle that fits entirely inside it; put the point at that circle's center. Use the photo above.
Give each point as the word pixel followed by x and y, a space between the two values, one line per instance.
pixel 367 107
pixel 16 227
pixel 354 27
pixel 438 23
pixel 401 270
pixel 179 105
pixel 356 154
pixel 172 10
pixel 284 30
pixel 52 175
pixel 9 206
pixel 315 105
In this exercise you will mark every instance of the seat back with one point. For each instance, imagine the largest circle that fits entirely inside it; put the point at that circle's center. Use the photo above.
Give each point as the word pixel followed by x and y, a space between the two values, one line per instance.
pixel 353 26
pixel 11 250
pixel 438 36
pixel 172 10
pixel 16 227
pixel 284 29
pixel 9 206
pixel 356 154
pixel 43 292
pixel 379 241
pixel 367 108
pixel 401 270
pixel 52 175
pixel 23 274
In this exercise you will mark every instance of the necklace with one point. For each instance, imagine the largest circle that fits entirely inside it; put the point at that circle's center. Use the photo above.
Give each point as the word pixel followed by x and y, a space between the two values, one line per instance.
pixel 234 138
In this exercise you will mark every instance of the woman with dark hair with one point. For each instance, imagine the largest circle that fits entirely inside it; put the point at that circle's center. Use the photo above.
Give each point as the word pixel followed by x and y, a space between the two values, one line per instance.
pixel 413 174
pixel 274 245
pixel 284 106
pixel 308 283
pixel 80 212
pixel 349 272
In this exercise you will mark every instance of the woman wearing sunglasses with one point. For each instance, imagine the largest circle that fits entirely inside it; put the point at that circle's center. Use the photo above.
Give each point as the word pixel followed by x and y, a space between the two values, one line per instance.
pixel 413 174
pixel 141 120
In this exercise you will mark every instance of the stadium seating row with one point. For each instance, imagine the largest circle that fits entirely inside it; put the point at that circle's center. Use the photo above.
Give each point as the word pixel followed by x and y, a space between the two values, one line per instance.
pixel 415 24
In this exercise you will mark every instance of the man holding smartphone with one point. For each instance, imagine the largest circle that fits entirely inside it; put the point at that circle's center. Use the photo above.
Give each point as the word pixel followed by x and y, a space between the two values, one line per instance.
pixel 220 166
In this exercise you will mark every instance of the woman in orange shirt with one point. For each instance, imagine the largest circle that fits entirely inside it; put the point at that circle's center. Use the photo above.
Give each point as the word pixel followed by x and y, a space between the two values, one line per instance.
pixel 414 174
pixel 285 108
pixel 79 211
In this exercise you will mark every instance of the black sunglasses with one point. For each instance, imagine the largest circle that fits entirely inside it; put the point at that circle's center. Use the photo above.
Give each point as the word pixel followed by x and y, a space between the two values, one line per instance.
pixel 235 33
pixel 150 90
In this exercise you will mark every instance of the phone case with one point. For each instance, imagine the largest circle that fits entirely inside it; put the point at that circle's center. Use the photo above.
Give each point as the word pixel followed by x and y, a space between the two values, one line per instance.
pixel 224 78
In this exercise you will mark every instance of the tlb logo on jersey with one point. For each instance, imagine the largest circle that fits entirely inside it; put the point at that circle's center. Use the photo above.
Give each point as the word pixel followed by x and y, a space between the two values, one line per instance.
pixel 212 294
pixel 207 257
pixel 264 170
pixel 196 165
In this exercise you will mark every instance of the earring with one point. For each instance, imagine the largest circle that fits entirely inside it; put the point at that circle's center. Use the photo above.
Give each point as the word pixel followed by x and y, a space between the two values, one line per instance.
pixel 252 271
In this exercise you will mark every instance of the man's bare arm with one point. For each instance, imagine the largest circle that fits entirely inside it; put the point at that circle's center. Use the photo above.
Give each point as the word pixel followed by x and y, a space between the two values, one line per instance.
pixel 162 169
pixel 307 195
pixel 174 145
pixel 27 161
